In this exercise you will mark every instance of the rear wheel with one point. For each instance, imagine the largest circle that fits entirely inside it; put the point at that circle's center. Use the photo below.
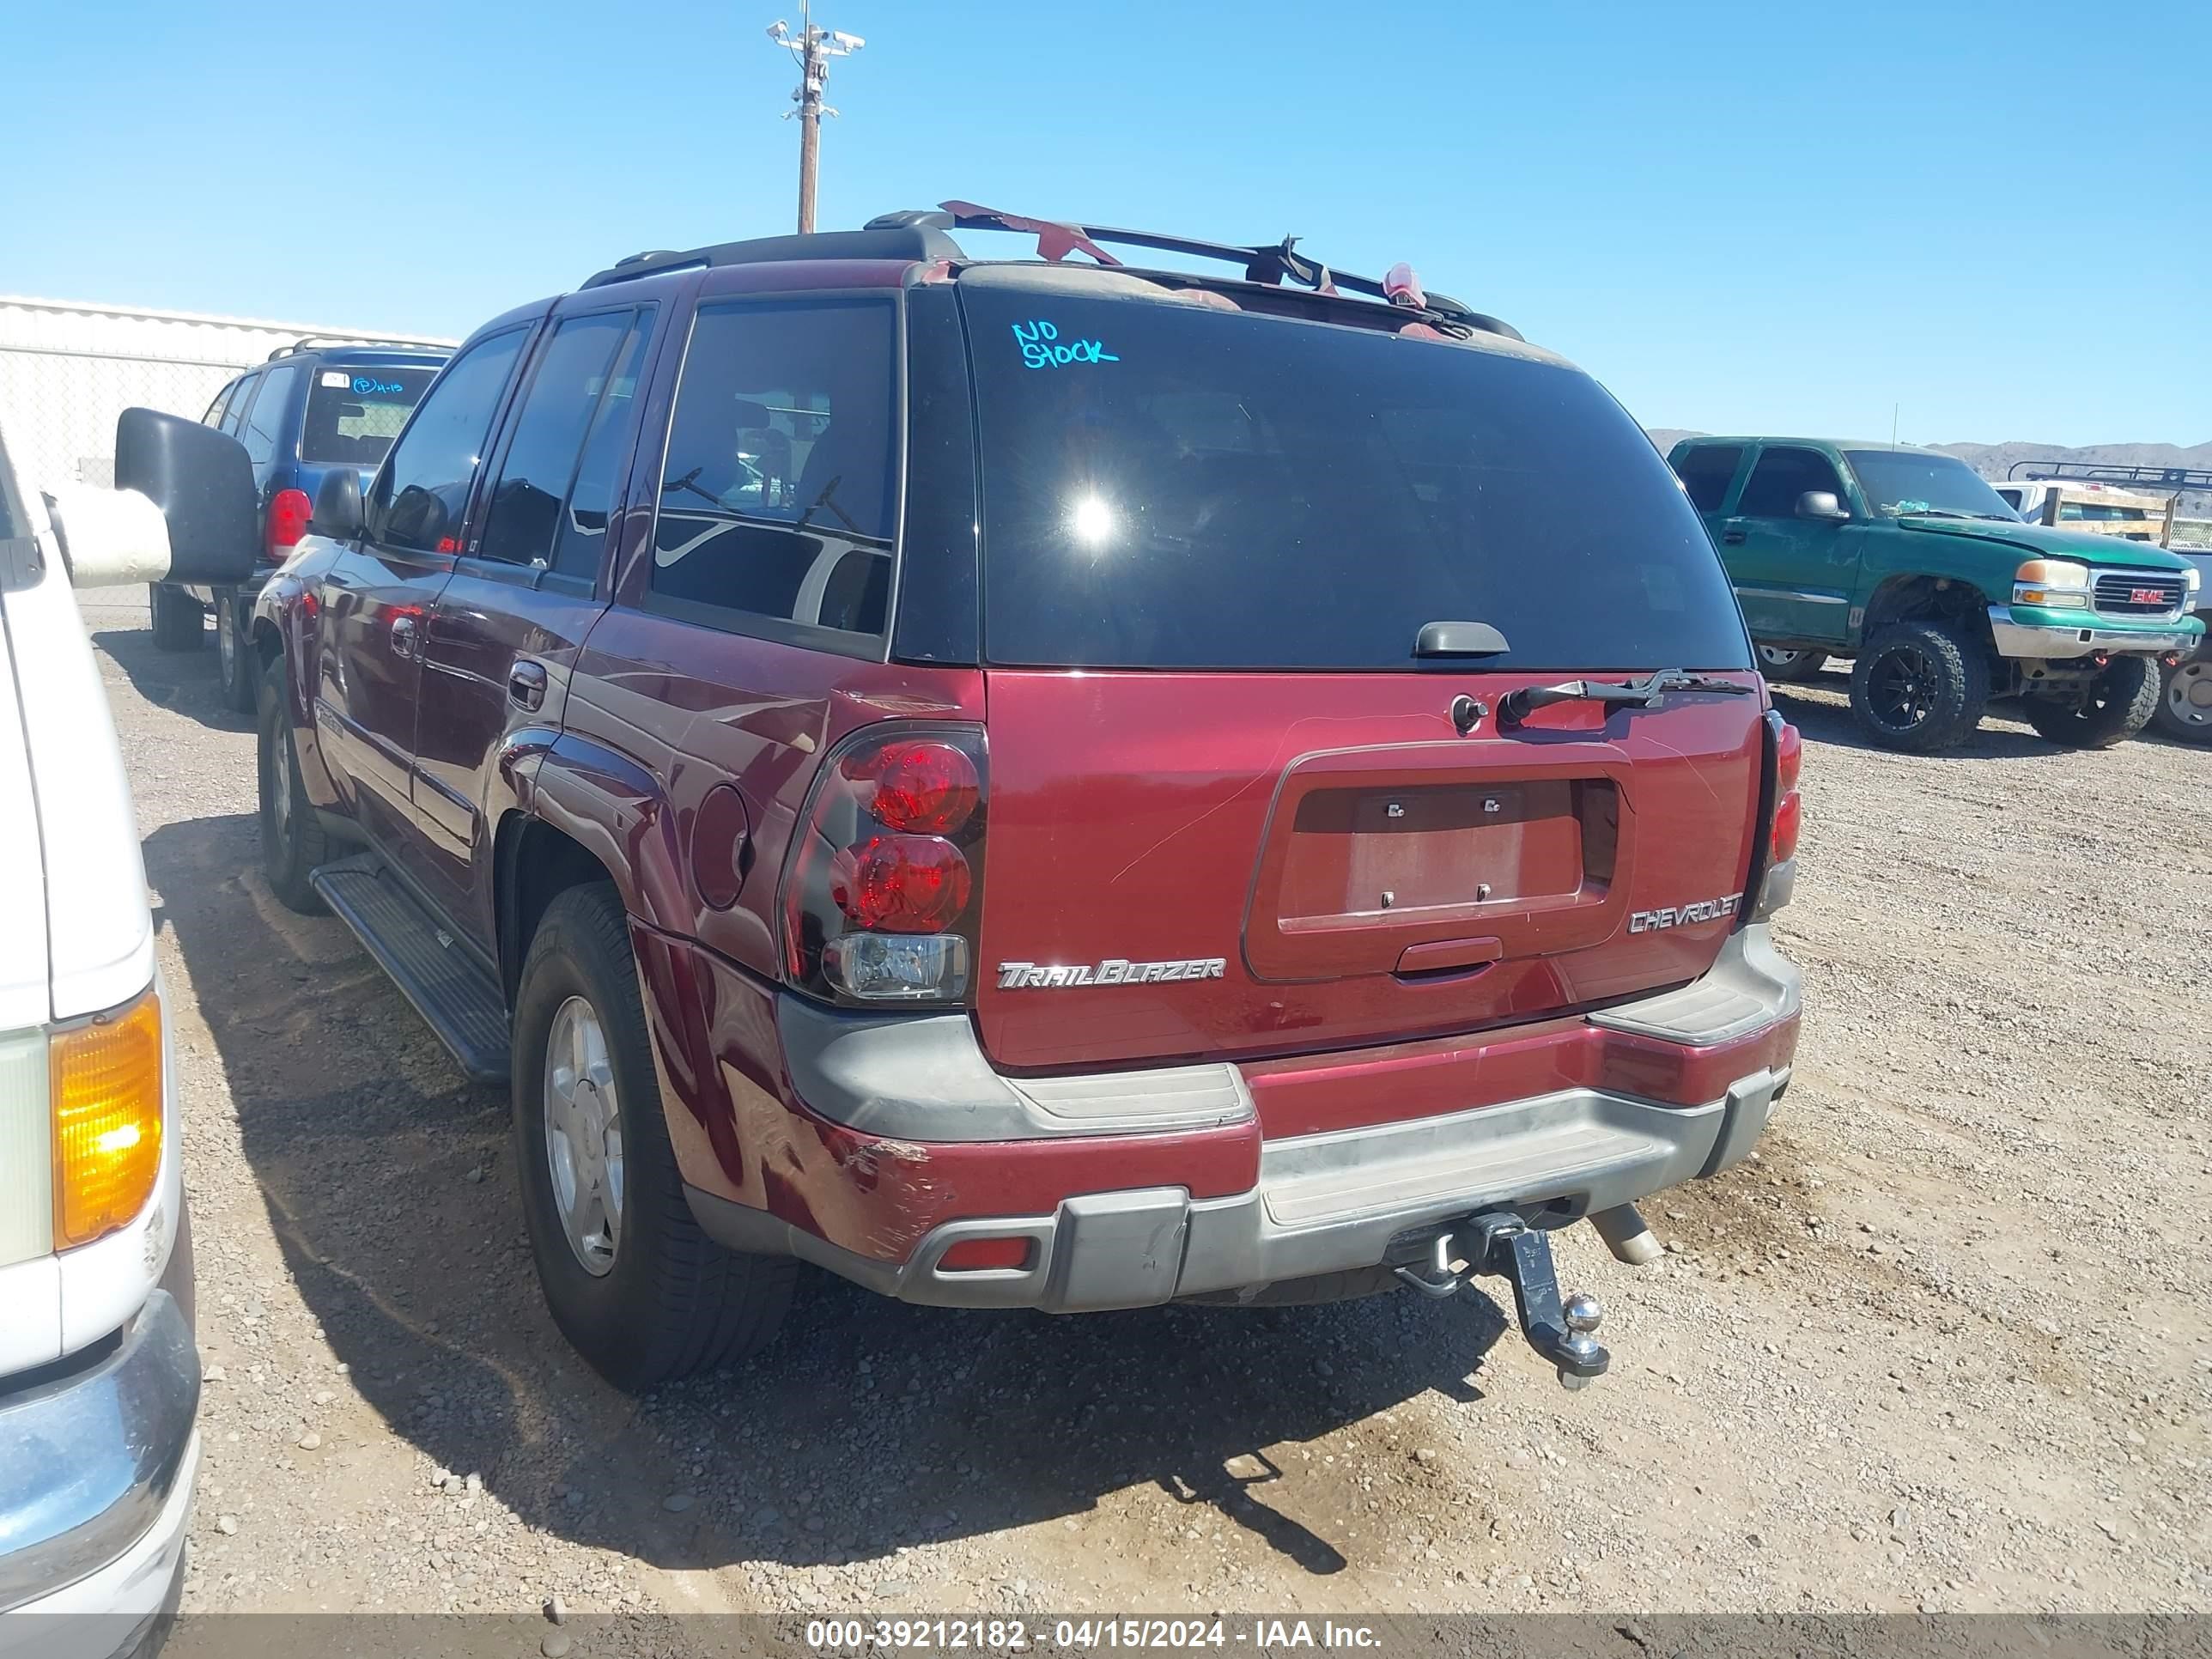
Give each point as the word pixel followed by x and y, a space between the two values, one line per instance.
pixel 1920 687
pixel 179 618
pixel 2115 705
pixel 241 685
pixel 633 1283
pixel 1785 666
pixel 292 841
pixel 2185 704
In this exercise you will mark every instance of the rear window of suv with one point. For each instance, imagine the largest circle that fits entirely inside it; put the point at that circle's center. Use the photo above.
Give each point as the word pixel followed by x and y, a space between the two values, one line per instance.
pixel 354 414
pixel 1172 485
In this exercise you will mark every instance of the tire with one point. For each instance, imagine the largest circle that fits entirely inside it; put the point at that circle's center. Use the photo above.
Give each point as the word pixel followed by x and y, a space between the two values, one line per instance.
pixel 2119 703
pixel 179 618
pixel 292 839
pixel 1784 666
pixel 1920 687
pixel 241 685
pixel 2185 703
pixel 635 1286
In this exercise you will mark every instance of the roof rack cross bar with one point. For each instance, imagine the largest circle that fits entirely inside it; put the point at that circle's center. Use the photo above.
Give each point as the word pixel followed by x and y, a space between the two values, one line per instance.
pixel 1269 263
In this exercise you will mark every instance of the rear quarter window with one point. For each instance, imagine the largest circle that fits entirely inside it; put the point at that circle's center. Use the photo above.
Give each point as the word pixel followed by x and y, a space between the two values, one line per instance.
pixel 1168 485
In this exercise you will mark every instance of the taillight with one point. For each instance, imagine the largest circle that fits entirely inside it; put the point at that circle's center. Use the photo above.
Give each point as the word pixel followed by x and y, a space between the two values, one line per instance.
pixel 1788 806
pixel 287 521
pixel 882 894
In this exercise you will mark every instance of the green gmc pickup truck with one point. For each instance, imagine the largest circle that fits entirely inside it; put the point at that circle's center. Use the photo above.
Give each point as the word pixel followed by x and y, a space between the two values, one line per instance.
pixel 1908 562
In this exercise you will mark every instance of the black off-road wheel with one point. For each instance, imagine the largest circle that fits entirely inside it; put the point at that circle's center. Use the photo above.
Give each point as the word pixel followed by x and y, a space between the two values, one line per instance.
pixel 241 678
pixel 632 1281
pixel 292 839
pixel 180 619
pixel 1920 687
pixel 2119 704
pixel 1785 666
pixel 2185 703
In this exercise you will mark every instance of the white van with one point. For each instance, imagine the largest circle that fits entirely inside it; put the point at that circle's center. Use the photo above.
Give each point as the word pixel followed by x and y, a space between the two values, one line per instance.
pixel 99 1380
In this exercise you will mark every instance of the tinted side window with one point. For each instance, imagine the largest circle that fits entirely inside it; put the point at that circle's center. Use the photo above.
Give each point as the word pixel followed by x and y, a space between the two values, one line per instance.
pixel 1706 473
pixel 564 391
pixel 214 416
pixel 423 490
pixel 779 481
pixel 264 430
pixel 242 395
pixel 606 450
pixel 1781 476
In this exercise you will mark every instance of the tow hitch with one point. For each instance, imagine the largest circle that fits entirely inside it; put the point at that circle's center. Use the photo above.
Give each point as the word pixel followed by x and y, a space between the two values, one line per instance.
pixel 1499 1242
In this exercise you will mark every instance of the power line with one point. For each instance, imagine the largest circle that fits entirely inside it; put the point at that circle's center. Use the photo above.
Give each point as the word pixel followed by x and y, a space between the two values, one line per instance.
pixel 811 48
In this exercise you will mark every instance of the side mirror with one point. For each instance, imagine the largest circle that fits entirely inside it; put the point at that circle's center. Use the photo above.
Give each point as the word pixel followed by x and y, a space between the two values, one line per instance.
pixel 1822 507
pixel 202 483
pixel 337 511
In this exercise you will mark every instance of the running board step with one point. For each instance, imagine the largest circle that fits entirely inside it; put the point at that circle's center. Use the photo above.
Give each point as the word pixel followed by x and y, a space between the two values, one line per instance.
pixel 460 1001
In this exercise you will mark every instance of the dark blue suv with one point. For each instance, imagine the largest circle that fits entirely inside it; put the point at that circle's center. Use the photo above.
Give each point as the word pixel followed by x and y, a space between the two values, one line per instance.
pixel 313 407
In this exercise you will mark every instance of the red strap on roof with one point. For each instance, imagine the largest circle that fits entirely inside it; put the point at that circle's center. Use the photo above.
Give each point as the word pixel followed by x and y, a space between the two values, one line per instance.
pixel 1056 240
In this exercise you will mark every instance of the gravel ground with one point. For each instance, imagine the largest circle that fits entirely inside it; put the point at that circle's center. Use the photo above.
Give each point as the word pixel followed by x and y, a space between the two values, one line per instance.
pixel 1943 1344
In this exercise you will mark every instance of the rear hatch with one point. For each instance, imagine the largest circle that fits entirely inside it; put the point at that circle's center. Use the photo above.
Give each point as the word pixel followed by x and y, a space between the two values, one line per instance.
pixel 354 410
pixel 1231 812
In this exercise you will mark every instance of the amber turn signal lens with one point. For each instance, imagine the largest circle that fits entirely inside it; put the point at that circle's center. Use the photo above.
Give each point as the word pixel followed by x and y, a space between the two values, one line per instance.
pixel 105 1081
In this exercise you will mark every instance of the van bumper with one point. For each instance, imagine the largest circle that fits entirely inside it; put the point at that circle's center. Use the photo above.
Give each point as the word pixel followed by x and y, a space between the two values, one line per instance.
pixel 1305 1206
pixel 97 1471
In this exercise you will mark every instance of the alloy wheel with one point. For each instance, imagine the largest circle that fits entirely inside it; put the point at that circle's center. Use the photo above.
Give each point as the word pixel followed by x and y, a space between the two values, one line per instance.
pixel 583 1135
pixel 1902 689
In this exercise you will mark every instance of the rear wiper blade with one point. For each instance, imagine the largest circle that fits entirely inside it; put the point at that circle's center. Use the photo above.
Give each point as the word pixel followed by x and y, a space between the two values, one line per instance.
pixel 1516 706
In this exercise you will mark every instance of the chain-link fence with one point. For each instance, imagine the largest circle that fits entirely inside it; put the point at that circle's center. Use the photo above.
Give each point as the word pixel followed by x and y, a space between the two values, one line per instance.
pixel 68 370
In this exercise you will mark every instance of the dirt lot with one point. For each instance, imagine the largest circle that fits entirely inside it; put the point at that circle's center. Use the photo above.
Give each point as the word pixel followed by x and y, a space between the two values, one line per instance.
pixel 1948 1343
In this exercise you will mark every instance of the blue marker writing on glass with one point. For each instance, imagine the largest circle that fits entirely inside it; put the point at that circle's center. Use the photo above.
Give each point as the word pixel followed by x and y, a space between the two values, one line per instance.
pixel 1042 347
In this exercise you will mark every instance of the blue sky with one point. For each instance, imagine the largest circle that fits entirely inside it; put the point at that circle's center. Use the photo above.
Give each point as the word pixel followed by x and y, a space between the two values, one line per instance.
pixel 1768 216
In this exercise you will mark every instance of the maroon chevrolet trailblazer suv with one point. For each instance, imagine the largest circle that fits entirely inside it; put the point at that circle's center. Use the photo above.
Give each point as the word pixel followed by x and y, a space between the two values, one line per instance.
pixel 1047 783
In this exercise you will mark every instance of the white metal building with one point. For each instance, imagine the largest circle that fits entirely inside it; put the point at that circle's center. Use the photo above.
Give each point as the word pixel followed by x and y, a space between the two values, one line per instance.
pixel 67 370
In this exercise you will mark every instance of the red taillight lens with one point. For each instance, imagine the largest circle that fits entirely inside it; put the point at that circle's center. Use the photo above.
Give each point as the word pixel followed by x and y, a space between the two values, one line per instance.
pixel 1789 805
pixel 1788 760
pixel 287 521
pixel 900 884
pixel 1789 818
pixel 928 788
pixel 881 893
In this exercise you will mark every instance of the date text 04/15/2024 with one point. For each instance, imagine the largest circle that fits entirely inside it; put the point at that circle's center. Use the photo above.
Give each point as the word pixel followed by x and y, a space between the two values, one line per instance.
pixel 1081 1635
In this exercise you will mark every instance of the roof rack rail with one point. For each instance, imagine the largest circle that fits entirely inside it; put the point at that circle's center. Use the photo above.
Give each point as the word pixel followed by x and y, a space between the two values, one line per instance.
pixel 880 241
pixel 1272 264
pixel 382 341
pixel 2158 477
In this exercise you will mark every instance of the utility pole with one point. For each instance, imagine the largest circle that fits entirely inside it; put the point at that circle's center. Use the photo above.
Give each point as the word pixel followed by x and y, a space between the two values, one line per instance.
pixel 811 48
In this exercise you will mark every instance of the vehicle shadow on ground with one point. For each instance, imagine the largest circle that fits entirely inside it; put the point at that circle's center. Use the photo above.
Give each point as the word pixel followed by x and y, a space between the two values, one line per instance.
pixel 188 682
pixel 1823 721
pixel 866 1426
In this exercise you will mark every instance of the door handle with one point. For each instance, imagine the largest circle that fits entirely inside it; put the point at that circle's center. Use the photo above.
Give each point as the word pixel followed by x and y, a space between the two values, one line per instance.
pixel 1732 537
pixel 402 636
pixel 526 685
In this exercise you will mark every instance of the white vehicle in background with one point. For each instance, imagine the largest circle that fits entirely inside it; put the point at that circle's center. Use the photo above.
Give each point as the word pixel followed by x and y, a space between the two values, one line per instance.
pixel 99 1379
pixel 2098 509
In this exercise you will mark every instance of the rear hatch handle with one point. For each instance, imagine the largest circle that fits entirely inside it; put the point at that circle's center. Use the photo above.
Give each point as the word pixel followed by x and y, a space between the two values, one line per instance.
pixel 1516 706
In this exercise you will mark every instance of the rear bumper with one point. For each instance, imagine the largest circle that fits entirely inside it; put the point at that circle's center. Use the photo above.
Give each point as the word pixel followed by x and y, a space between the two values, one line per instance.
pixel 2050 642
pixel 1681 1087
